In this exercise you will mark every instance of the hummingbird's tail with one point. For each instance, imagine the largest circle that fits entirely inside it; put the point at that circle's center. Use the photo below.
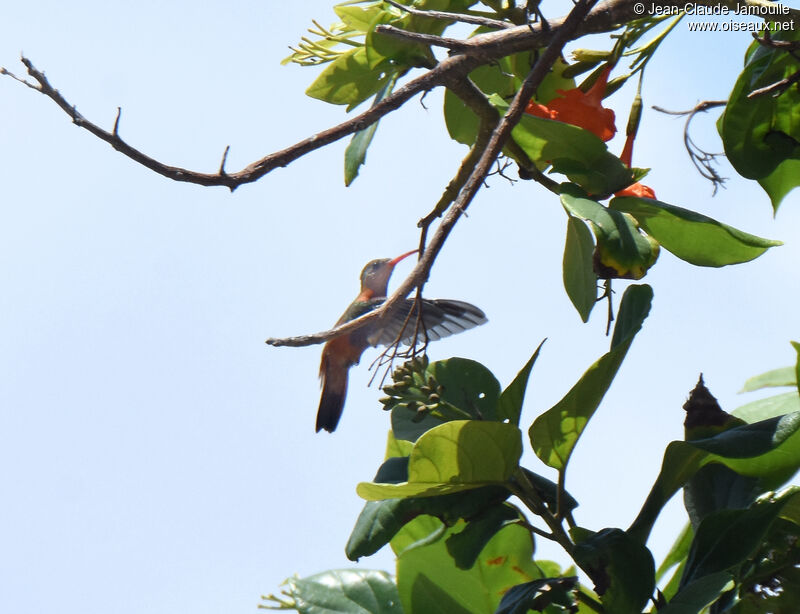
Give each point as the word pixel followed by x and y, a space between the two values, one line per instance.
pixel 334 391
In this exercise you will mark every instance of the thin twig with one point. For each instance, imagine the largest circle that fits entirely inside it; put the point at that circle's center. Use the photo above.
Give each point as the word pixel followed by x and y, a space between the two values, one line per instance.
pixel 777 88
pixel 256 170
pixel 473 19
pixel 703 160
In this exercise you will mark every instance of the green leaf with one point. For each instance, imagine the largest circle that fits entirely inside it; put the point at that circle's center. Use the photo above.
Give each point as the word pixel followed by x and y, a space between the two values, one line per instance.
pixel 547 491
pixel 357 17
pixel 770 407
pixel 419 533
pixel 580 280
pixel 380 521
pixel 429 598
pixel 538 595
pixel 697 595
pixel 455 456
pixel 677 553
pixel 691 236
pixel 342 591
pixel 727 539
pixel 554 81
pixel 505 561
pixel 401 53
pixel 554 433
pixel 622 569
pixel 349 80
pixel 715 487
pixel 784 376
pixel 762 132
pixel 467 390
pixel 509 405
pixel 466 545
pixel 781 181
pixel 356 152
pixel 462 124
pixel 769 449
pixel 622 250
pixel 572 151
pixel 796 347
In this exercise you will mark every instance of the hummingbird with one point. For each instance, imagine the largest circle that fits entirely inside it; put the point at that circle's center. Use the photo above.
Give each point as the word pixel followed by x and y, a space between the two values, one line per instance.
pixel 440 318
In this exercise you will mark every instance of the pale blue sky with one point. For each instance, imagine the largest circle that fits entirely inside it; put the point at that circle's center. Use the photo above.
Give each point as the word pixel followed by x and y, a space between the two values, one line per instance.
pixel 158 457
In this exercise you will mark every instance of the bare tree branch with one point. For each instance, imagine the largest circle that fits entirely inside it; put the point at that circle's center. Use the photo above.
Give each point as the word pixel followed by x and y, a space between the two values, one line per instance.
pixel 473 19
pixel 478 50
pixel 499 136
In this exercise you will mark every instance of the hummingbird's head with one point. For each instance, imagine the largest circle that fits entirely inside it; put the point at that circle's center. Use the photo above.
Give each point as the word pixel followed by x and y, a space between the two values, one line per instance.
pixel 375 276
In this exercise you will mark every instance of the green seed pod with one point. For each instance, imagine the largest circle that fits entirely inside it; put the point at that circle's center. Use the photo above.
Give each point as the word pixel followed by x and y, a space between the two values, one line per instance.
pixel 590 55
pixel 634 116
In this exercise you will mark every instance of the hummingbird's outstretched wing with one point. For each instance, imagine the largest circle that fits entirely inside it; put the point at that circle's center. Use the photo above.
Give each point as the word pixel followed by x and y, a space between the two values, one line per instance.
pixel 440 318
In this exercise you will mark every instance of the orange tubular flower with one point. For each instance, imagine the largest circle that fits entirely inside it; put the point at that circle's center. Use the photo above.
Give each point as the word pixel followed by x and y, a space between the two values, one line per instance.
pixel 637 189
pixel 582 109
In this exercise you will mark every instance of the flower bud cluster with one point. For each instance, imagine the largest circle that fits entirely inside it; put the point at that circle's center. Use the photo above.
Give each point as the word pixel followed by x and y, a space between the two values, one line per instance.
pixel 414 388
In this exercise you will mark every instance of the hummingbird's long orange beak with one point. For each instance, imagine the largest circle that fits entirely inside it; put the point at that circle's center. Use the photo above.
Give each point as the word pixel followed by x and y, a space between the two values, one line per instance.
pixel 399 258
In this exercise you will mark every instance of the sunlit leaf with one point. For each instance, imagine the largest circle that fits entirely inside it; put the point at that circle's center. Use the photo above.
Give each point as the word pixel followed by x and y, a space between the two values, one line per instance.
pixel 505 561
pixel 770 407
pixel 781 181
pixel 455 456
pixel 691 236
pixel 349 80
pixel 784 376
pixel 554 434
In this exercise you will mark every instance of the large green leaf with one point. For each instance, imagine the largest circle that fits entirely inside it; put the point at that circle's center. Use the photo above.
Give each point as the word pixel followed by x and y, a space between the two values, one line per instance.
pixel 622 250
pixel 349 79
pixel 572 151
pixel 342 591
pixel 380 521
pixel 509 405
pixel 554 434
pixel 622 569
pixel 769 449
pixel 504 562
pixel 760 133
pixel 455 456
pixel 691 236
pixel 580 280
